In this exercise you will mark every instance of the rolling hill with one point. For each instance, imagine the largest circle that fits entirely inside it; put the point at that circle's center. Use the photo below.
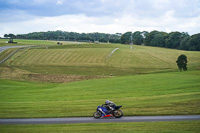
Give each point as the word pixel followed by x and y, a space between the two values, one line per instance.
pixel 94 60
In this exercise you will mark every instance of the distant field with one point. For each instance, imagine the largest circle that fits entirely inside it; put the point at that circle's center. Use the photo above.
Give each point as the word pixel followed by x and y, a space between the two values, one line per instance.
pixel 21 42
pixel 94 60
pixel 173 93
pixel 63 57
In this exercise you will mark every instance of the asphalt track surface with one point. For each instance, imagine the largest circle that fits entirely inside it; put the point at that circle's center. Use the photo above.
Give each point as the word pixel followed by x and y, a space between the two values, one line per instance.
pixel 101 120
pixel 7 47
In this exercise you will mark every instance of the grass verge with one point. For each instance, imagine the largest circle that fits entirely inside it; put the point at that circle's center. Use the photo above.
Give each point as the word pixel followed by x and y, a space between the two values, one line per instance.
pixel 136 127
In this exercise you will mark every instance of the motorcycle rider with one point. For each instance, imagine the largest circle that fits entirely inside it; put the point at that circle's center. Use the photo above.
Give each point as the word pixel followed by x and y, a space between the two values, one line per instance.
pixel 109 105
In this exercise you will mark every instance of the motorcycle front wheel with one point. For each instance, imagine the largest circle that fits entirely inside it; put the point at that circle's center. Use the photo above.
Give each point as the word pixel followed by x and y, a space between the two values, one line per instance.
pixel 118 113
pixel 97 114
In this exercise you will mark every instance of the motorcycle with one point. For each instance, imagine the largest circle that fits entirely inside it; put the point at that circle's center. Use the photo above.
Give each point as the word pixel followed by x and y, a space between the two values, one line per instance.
pixel 103 112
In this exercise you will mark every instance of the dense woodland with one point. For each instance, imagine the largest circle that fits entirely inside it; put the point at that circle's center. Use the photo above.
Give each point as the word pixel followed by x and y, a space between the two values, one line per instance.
pixel 69 36
pixel 174 40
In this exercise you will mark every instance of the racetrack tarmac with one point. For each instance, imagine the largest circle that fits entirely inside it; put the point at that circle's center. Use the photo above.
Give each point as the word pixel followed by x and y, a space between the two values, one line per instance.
pixel 7 47
pixel 101 120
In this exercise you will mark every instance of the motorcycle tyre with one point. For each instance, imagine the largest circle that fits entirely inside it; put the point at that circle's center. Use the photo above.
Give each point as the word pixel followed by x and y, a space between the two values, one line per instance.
pixel 116 115
pixel 97 114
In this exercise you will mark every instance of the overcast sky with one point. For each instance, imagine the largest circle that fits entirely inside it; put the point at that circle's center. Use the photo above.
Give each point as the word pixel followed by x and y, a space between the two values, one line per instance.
pixel 106 16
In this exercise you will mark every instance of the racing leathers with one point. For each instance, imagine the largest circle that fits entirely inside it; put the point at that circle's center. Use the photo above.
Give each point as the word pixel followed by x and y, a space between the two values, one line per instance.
pixel 110 105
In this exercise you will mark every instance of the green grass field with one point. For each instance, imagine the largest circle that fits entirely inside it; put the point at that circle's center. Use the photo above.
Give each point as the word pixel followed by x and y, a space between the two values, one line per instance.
pixel 138 127
pixel 173 93
pixel 145 80
pixel 21 42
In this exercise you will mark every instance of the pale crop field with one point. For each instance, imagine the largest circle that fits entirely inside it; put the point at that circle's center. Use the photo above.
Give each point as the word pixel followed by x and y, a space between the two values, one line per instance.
pixel 63 57
pixel 151 57
pixel 92 59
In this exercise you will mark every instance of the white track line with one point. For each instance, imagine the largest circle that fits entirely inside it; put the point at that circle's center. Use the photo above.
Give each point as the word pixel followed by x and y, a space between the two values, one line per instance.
pixel 111 53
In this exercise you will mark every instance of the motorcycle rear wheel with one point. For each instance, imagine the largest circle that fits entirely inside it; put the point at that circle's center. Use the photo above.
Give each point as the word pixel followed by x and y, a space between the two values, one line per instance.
pixel 97 114
pixel 118 113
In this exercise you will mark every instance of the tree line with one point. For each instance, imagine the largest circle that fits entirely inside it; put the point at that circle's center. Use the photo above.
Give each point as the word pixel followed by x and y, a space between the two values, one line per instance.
pixel 69 36
pixel 174 40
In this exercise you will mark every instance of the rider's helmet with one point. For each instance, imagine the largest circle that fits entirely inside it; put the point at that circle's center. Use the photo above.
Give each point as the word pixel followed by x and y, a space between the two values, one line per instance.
pixel 107 102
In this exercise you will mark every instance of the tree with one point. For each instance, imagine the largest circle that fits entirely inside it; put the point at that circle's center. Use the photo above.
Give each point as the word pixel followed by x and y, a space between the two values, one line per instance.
pixel 159 39
pixel 174 39
pixel 5 35
pixel 182 62
pixel 194 42
pixel 137 38
pixel 125 38
pixel 184 45
pixel 149 38
pixel 9 35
